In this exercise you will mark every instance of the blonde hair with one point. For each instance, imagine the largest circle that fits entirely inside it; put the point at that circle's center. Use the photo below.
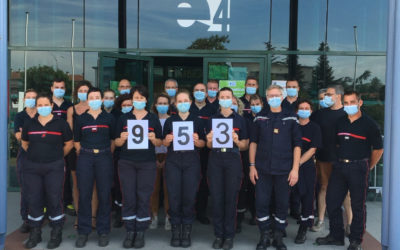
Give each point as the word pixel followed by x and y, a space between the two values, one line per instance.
pixel 240 105
pixel 271 87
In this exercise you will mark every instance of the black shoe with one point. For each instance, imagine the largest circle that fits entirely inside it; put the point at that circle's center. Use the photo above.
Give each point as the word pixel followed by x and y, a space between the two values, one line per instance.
pixel 354 245
pixel 55 237
pixel 103 240
pixel 277 242
pixel 35 237
pixel 203 219
pixel 24 228
pixel 186 240
pixel 228 244
pixel 129 239
pixel 239 219
pixel 329 240
pixel 176 235
pixel 81 241
pixel 118 219
pixel 264 241
pixel 139 240
pixel 301 235
pixel 70 210
pixel 217 244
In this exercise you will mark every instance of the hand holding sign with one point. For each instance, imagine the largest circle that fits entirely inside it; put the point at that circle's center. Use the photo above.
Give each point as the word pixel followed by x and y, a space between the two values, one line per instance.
pixel 183 135
pixel 138 134
pixel 222 133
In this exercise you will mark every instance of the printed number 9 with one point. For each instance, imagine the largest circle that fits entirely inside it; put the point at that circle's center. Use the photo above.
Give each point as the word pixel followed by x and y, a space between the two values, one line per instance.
pixel 138 134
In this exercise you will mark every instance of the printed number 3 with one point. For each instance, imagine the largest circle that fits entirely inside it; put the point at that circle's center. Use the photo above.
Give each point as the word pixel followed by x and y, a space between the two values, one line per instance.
pixel 223 132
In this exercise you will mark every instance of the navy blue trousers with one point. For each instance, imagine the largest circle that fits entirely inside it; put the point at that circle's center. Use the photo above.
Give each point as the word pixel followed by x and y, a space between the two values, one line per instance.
pixel 182 176
pixel 265 185
pixel 137 185
pixel 305 189
pixel 346 177
pixel 203 191
pixel 93 168
pixel 225 178
pixel 21 157
pixel 45 182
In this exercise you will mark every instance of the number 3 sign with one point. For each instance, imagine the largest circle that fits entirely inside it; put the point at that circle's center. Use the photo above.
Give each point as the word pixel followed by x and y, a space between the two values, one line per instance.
pixel 222 133
pixel 183 135
pixel 138 134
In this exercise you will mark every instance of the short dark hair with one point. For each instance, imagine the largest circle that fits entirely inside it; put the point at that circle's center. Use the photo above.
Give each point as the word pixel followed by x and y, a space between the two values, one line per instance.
pixel 194 86
pixel 80 84
pixel 352 92
pixel 58 79
pixel 213 81
pixel 256 97
pixel 94 89
pixel 225 89
pixel 142 90
pixel 44 95
pixel 164 95
pixel 121 99
pixel 304 101
pixel 109 90
pixel 29 91
pixel 252 78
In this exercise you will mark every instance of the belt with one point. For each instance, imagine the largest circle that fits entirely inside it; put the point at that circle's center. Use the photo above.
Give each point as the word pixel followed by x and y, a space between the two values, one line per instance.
pixel 226 150
pixel 352 161
pixel 96 151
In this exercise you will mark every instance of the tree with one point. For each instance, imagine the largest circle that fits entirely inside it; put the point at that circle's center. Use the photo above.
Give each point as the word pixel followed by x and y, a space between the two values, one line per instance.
pixel 269 47
pixel 323 72
pixel 214 42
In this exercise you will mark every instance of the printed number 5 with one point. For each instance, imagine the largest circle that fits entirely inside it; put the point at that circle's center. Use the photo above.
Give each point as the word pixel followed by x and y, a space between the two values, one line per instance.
pixel 181 133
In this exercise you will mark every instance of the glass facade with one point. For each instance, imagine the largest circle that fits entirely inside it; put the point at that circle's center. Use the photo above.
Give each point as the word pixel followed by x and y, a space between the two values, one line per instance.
pixel 337 41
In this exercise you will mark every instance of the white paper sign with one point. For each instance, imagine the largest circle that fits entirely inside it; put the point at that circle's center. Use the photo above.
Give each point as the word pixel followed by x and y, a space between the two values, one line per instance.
pixel 183 135
pixel 138 134
pixel 222 133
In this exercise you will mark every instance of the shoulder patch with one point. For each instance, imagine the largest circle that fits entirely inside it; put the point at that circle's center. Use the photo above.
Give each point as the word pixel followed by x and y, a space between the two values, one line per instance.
pixel 290 118
pixel 260 118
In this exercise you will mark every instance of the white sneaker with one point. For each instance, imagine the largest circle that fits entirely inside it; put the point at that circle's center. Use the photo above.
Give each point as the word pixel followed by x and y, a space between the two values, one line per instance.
pixel 154 222
pixel 167 224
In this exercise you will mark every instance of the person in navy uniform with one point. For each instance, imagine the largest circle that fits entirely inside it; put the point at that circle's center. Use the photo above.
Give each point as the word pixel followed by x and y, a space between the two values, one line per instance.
pixel 305 188
pixel 171 88
pixel 225 172
pixel 137 170
pixel 20 119
pixel 182 172
pixel 251 89
pixel 94 144
pixel 292 91
pixel 274 155
pixel 359 148
pixel 203 110
pixel 212 91
pixel 46 139
pixel 124 87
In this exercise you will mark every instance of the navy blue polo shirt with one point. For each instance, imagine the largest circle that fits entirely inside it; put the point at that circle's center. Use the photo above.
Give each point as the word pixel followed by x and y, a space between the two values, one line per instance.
pixel 198 127
pixel 356 140
pixel 290 106
pixel 204 114
pixel 276 135
pixel 327 120
pixel 311 138
pixel 247 106
pixel 215 103
pixel 173 110
pixel 94 133
pixel 20 119
pixel 139 155
pixel 46 143
pixel 238 122
pixel 61 111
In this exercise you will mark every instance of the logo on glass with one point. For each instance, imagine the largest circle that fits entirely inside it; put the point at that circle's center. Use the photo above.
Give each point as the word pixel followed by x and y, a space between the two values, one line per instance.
pixel 219 15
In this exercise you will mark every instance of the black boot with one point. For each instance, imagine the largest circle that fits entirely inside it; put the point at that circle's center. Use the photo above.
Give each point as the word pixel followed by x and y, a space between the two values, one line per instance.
pixel 129 239
pixel 277 242
pixel 264 241
pixel 35 237
pixel 176 235
pixel 55 237
pixel 329 240
pixel 301 235
pixel 218 242
pixel 81 241
pixel 228 244
pixel 139 240
pixel 354 245
pixel 239 219
pixel 186 239
pixel 24 228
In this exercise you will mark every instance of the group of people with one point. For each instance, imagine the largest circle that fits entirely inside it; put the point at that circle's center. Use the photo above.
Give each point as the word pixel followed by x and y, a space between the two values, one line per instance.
pixel 284 151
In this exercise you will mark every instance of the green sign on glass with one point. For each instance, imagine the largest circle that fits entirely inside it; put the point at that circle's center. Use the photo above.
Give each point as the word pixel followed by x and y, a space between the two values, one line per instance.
pixel 218 71
pixel 237 86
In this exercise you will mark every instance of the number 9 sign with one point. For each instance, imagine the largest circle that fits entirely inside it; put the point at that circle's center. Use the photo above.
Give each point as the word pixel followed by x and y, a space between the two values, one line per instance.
pixel 222 133
pixel 183 135
pixel 138 134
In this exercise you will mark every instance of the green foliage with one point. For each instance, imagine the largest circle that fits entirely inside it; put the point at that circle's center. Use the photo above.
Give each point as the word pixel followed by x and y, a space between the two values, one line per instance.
pixel 214 42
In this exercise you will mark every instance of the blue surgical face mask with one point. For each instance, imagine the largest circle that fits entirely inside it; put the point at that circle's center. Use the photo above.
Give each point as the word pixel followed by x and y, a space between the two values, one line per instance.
pixel 162 109
pixel 225 103
pixel 251 90
pixel 139 105
pixel 171 92
pixel 234 107
pixel 82 96
pixel 125 91
pixel 126 109
pixel 304 114
pixel 292 92
pixel 274 102
pixel 44 111
pixel 255 109
pixel 108 103
pixel 183 107
pixel 351 109
pixel 328 101
pixel 199 95
pixel 322 104
pixel 95 104
pixel 212 93
pixel 30 103
pixel 59 93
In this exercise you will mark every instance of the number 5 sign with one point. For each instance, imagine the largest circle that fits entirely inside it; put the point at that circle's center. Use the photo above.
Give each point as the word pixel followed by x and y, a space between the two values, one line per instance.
pixel 222 133
pixel 138 134
pixel 183 135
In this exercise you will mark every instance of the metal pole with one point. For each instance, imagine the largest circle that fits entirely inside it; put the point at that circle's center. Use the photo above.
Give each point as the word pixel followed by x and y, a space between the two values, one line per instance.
pixel 72 57
pixel 270 24
pixel 3 121
pixel 355 62
pixel 26 44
